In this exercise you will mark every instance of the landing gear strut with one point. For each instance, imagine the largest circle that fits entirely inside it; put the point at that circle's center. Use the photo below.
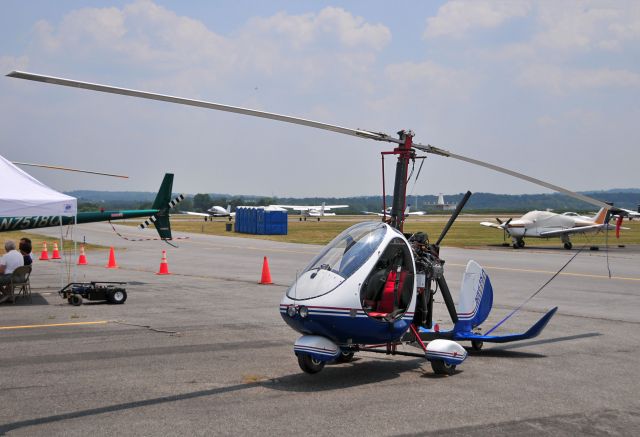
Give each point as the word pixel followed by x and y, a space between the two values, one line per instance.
pixel 518 243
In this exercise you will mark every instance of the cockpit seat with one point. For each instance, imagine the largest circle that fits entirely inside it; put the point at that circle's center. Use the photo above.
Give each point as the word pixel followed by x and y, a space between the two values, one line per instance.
pixel 386 304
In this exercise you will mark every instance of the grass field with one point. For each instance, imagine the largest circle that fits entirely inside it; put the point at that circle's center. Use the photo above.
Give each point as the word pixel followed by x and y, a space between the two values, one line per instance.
pixel 466 232
pixel 37 239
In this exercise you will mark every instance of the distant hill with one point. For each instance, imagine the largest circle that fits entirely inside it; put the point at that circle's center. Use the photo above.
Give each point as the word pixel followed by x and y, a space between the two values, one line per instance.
pixel 624 197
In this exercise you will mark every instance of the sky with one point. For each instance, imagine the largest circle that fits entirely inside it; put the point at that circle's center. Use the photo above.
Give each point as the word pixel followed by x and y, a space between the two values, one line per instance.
pixel 547 88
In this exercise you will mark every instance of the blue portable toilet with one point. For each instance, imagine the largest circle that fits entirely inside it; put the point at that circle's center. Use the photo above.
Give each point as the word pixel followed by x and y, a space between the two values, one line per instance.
pixel 261 220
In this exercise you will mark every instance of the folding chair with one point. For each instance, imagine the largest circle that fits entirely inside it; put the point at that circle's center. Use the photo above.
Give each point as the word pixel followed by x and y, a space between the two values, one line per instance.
pixel 20 283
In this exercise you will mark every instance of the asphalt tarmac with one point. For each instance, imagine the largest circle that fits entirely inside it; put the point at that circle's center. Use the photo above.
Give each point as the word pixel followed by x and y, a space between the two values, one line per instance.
pixel 204 351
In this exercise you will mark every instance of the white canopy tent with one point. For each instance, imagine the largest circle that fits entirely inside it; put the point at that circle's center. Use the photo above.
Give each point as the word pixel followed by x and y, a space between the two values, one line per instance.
pixel 22 195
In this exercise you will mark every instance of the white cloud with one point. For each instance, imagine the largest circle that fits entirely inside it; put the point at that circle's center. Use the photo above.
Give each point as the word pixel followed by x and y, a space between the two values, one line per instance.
pixel 587 25
pixel 140 32
pixel 431 79
pixel 330 23
pixel 330 45
pixel 456 18
pixel 561 80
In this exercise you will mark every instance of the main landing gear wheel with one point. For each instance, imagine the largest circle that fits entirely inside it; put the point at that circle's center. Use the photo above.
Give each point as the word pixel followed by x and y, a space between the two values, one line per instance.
pixel 118 297
pixel 75 300
pixel 441 368
pixel 520 244
pixel 568 245
pixel 476 345
pixel 345 357
pixel 309 364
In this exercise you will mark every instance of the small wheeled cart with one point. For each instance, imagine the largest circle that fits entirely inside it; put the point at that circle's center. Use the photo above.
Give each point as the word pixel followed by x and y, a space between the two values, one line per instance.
pixel 112 292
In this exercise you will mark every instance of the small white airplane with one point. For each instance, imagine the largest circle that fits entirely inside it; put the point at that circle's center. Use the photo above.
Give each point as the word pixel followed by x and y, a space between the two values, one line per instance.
pixel 388 212
pixel 546 224
pixel 629 213
pixel 215 211
pixel 312 211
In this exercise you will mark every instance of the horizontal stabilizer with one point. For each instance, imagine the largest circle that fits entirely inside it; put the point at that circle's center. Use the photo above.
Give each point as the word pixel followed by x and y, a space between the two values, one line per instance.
pixel 534 331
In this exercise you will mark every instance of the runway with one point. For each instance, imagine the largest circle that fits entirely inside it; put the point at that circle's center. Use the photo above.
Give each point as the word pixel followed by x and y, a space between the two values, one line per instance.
pixel 204 351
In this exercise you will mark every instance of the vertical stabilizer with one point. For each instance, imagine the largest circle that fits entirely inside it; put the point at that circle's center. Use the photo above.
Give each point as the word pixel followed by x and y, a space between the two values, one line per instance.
pixel 476 298
pixel 601 216
pixel 163 203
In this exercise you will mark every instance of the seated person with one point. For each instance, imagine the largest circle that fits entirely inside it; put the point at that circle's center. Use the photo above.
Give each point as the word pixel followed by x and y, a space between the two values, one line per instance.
pixel 25 250
pixel 8 263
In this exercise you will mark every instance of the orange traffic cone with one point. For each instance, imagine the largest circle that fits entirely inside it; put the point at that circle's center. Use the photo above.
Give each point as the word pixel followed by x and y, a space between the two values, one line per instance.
pixel 266 274
pixel 56 254
pixel 112 260
pixel 44 255
pixel 82 259
pixel 164 266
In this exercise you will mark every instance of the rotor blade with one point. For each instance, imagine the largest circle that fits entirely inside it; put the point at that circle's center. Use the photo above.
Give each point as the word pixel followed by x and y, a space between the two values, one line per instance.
pixel 202 104
pixel 454 216
pixel 442 152
pixel 378 136
pixel 55 167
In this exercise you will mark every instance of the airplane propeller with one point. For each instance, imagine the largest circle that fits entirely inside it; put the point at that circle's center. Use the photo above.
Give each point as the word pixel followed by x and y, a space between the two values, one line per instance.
pixel 362 133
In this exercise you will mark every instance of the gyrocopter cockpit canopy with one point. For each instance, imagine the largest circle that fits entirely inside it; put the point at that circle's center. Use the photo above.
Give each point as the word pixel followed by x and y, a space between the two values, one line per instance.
pixel 339 260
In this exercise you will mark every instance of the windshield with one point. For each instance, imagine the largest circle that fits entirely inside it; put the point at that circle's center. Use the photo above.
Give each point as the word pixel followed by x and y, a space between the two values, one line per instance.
pixel 349 250
pixel 339 260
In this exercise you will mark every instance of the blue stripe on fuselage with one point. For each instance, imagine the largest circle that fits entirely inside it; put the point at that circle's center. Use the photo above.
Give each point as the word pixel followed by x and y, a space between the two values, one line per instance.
pixel 343 329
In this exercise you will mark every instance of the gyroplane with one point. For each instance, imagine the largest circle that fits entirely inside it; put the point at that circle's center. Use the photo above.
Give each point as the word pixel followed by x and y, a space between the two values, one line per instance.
pixel 372 288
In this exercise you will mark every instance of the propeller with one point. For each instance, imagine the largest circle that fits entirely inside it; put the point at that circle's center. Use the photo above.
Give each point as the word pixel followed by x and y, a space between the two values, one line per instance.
pixel 362 133
pixel 438 275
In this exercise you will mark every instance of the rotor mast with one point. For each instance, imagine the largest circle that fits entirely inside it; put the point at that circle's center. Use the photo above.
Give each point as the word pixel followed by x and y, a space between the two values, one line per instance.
pixel 405 153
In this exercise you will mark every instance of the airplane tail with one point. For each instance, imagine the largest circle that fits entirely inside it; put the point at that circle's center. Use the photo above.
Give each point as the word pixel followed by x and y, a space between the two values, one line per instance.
pixel 163 203
pixel 476 298
pixel 601 217
pixel 322 209
pixel 229 209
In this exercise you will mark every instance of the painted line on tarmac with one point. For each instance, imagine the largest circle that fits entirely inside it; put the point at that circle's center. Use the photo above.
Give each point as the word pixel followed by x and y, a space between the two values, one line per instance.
pixel 51 325
pixel 548 272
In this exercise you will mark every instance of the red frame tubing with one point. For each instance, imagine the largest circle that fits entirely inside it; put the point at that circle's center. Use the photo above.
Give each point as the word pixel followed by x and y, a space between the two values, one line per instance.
pixel 415 332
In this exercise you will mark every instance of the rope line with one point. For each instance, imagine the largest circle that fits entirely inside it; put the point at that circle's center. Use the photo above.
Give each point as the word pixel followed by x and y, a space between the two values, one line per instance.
pixel 555 275
pixel 143 239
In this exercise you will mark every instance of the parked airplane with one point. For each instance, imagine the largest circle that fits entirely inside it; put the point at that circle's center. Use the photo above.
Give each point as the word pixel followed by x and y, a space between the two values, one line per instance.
pixel 312 211
pixel 388 212
pixel 546 224
pixel 629 213
pixel 215 211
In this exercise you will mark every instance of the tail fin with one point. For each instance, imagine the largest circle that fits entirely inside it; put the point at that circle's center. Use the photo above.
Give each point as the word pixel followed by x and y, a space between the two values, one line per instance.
pixel 229 209
pixel 476 298
pixel 163 204
pixel 164 193
pixel 601 216
pixel 322 209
